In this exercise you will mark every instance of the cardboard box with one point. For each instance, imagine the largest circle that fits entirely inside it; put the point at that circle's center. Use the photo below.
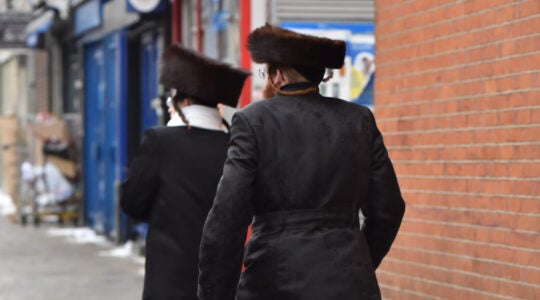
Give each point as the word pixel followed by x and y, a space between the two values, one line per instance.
pixel 51 129
pixel 8 130
pixel 8 155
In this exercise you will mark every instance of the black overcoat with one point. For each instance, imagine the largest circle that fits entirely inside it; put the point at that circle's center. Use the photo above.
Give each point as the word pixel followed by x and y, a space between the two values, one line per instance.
pixel 171 184
pixel 299 168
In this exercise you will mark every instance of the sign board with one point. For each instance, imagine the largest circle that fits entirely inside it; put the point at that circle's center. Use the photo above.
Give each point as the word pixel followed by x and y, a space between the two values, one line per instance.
pixel 354 81
pixel 87 16
pixel 145 6
pixel 12 29
pixel 37 26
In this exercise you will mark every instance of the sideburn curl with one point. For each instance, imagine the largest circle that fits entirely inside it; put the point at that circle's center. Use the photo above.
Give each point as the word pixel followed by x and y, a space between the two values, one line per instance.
pixel 179 97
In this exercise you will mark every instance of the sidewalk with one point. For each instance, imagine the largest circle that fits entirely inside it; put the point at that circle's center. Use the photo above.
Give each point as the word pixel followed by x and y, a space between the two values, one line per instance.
pixel 64 263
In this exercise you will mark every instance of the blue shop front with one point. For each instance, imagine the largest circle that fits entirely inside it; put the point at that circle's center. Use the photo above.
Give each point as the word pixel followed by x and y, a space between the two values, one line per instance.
pixel 103 55
pixel 120 43
pixel 146 40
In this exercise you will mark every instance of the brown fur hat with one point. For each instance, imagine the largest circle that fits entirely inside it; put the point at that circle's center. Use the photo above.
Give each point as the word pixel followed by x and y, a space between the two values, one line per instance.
pixel 203 78
pixel 272 44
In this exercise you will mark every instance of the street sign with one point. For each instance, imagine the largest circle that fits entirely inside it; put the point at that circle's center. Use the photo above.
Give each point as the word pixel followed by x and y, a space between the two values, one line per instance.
pixel 12 26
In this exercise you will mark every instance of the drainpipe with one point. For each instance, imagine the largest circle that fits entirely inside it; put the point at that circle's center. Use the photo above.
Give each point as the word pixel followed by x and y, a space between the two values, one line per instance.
pixel 176 22
pixel 198 16
pixel 244 10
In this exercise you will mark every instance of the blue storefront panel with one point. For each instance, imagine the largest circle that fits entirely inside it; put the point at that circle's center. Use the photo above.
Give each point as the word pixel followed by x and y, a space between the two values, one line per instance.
pixel 105 129
pixel 94 135
pixel 150 50
pixel 115 71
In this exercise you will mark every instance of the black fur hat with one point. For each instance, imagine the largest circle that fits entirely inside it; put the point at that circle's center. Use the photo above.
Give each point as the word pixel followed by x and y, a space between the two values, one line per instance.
pixel 203 78
pixel 272 44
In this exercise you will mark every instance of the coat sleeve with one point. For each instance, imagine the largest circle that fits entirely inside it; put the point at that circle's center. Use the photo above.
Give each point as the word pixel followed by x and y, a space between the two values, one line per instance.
pixel 222 243
pixel 385 208
pixel 141 185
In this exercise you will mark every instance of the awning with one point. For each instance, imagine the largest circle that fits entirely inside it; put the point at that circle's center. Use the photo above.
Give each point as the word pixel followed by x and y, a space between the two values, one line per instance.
pixel 38 26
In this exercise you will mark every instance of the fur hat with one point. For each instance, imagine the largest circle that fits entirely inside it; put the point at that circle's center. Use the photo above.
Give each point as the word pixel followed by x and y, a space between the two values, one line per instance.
pixel 203 78
pixel 272 44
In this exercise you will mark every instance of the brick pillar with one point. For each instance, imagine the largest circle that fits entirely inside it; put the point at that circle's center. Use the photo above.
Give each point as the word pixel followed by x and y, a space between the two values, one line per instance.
pixel 41 82
pixel 457 97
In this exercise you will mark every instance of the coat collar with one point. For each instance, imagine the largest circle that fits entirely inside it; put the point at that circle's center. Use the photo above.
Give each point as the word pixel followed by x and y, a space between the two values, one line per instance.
pixel 199 116
pixel 296 86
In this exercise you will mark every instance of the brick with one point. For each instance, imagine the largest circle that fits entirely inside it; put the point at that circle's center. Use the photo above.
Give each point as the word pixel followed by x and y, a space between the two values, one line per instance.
pixel 479 234
pixel 399 293
pixel 473 201
pixel 435 288
pixel 520 221
pixel 527 8
pixel 454 185
pixel 463 263
pixel 457 98
pixel 419 285
pixel 449 76
pixel 440 119
pixel 473 152
pixel 390 12
pixel 482 101
pixel 496 253
pixel 451 24
pixel 460 134
pixel 475 281
pixel 465 40
pixel 482 106
pixel 470 66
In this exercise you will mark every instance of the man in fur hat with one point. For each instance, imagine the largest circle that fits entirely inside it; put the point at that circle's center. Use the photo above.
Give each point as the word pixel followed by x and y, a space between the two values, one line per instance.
pixel 300 167
pixel 173 177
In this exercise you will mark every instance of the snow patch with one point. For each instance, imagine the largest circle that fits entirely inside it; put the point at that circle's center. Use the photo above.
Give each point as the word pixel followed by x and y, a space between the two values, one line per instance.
pixel 125 250
pixel 139 259
pixel 6 205
pixel 78 235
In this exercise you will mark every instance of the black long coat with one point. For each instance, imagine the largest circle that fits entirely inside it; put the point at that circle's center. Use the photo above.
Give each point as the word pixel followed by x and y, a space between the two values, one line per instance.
pixel 171 184
pixel 299 168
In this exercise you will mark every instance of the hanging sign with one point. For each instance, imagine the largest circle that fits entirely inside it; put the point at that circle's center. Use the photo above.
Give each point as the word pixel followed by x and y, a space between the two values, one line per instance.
pixel 145 6
pixel 12 26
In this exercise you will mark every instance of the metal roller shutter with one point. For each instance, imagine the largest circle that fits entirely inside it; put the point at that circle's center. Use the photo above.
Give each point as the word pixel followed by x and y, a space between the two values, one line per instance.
pixel 324 10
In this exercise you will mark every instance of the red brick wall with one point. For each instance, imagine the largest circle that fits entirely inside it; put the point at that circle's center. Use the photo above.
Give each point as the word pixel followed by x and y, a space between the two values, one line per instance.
pixel 457 97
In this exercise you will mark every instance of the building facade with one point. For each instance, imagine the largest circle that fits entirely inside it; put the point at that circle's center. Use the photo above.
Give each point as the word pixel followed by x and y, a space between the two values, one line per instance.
pixel 457 98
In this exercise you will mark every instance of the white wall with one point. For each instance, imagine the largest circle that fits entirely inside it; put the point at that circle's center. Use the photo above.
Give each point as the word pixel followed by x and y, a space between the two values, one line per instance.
pixel 260 14
pixel 9 91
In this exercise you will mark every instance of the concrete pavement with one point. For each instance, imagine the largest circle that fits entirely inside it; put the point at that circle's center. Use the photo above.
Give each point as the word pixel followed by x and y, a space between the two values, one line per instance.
pixel 51 263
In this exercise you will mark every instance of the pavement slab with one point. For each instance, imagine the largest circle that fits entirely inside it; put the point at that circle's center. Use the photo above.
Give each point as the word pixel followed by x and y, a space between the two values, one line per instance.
pixel 50 262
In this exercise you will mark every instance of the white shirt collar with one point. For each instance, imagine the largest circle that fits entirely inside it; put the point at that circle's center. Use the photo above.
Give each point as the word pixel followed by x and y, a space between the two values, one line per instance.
pixel 199 116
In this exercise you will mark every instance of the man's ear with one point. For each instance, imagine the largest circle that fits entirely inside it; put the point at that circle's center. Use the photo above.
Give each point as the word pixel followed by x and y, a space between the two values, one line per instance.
pixel 279 79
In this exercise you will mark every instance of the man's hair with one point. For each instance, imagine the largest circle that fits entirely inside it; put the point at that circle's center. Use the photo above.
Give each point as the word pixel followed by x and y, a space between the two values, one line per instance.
pixel 291 73
pixel 313 75
pixel 179 97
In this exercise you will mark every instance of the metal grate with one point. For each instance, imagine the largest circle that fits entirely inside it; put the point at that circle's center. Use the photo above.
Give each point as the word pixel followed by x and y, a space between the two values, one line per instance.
pixel 325 10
